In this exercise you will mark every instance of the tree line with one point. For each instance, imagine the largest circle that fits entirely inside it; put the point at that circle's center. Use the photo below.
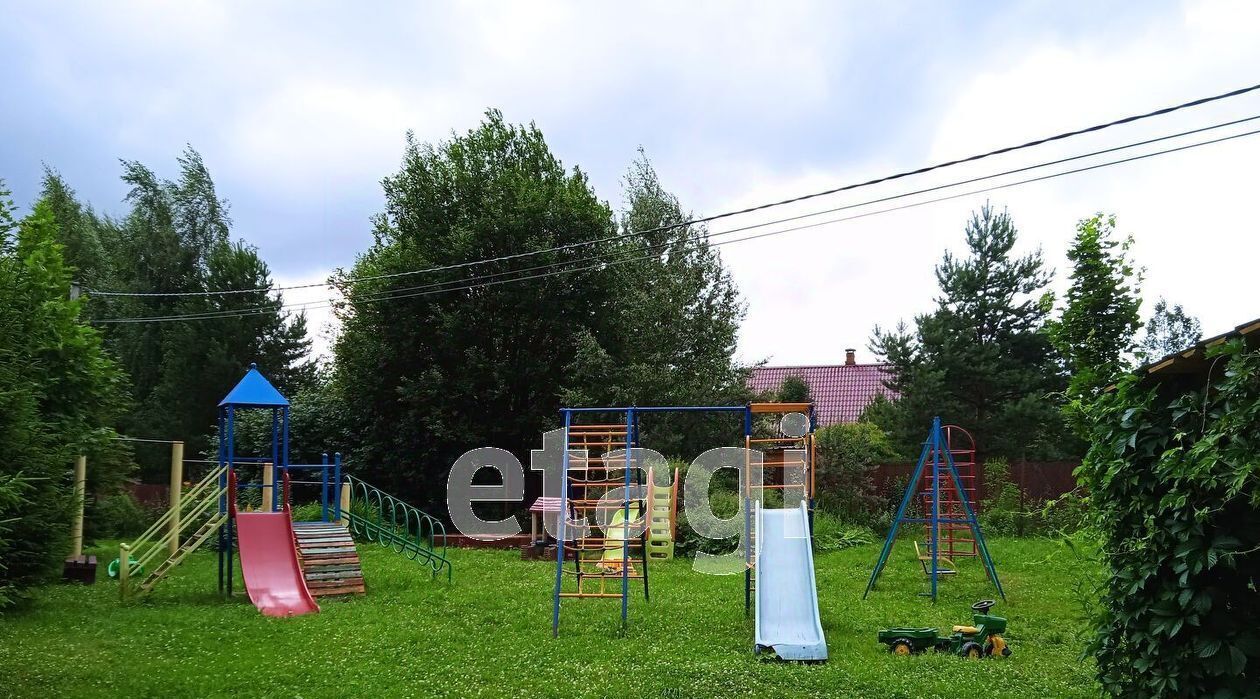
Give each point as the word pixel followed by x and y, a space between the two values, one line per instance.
pixel 581 303
pixel 1002 356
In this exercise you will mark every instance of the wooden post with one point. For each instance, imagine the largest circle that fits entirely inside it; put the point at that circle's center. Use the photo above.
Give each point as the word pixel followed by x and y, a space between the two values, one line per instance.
pixel 124 569
pixel 268 487
pixel 345 503
pixel 176 494
pixel 80 495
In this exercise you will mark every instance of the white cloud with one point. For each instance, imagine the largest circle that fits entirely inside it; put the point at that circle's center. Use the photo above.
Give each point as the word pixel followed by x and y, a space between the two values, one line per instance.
pixel 321 326
pixel 322 134
pixel 300 111
pixel 1194 214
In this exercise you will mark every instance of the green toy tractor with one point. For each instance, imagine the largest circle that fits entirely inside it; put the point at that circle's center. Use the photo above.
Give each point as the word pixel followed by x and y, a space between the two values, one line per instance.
pixel 981 639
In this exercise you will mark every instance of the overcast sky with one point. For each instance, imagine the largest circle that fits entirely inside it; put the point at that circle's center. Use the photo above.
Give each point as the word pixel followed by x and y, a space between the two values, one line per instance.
pixel 299 109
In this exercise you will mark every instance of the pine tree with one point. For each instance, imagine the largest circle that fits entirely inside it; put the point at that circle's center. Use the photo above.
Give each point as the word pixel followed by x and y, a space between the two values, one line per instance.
pixel 982 359
pixel 679 315
pixel 176 239
pixel 60 394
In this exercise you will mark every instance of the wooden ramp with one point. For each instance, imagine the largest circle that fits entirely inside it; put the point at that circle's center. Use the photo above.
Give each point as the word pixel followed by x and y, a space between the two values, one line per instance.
pixel 329 559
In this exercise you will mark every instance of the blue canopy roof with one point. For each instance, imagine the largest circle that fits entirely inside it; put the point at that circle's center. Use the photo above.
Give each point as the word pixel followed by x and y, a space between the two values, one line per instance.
pixel 254 391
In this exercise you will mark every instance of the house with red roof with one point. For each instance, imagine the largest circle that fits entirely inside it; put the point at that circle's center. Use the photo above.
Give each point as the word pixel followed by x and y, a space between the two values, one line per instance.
pixel 840 391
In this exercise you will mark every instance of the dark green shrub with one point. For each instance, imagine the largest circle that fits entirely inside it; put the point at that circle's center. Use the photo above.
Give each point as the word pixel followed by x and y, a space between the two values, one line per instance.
pixel 12 488
pixel 310 512
pixel 725 504
pixel 832 534
pixel 1006 513
pixel 1002 512
pixel 115 516
pixel 847 453
pixel 1173 475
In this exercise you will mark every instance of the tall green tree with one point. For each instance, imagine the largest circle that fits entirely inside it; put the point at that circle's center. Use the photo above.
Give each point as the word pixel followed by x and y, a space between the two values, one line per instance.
pixel 679 311
pixel 1169 329
pixel 982 358
pixel 175 241
pixel 434 364
pixel 1095 331
pixel 793 390
pixel 79 231
pixel 484 354
pixel 60 393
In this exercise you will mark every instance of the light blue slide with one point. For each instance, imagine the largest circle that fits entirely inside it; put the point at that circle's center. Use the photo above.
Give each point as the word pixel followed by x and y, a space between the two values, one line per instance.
pixel 787 596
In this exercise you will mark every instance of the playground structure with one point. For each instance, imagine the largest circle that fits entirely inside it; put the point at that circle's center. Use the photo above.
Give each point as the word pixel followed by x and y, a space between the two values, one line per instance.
pixel 603 478
pixel 270 562
pixel 662 522
pixel 284 564
pixel 949 514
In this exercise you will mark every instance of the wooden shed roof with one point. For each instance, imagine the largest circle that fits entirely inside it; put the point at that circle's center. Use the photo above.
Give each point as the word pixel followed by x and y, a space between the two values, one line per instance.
pixel 1193 360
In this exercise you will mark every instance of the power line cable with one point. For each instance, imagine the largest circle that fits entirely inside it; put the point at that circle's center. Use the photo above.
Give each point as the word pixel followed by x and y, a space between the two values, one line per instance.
pixel 760 207
pixel 263 308
pixel 390 295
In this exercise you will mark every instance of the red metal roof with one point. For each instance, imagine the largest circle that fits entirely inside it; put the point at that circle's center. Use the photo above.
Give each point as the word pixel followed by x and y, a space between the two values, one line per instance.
pixel 839 391
pixel 545 505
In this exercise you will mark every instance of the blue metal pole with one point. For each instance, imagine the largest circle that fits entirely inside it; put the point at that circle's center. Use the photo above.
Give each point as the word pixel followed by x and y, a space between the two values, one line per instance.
pixel 222 493
pixel 625 523
pixel 936 499
pixel 275 457
pixel 748 543
pixel 974 523
pixel 560 521
pixel 323 490
pixel 748 546
pixel 284 444
pixel 231 452
pixel 664 409
pixel 337 486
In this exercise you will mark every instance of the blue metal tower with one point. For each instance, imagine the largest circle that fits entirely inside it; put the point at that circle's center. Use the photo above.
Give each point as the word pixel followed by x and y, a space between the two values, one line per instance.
pixel 935 449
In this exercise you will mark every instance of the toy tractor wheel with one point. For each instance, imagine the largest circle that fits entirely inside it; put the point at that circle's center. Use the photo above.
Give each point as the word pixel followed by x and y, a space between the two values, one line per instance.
pixel 996 644
pixel 901 646
pixel 971 650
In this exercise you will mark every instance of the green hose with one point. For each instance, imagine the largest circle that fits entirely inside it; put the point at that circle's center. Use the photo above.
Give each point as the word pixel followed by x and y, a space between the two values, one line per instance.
pixel 113 567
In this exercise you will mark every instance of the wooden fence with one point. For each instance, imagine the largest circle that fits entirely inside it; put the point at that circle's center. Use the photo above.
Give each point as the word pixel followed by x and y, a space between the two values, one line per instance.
pixel 1037 480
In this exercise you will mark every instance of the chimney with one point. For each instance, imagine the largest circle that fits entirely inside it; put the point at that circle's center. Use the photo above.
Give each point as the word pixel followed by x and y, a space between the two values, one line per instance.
pixel 850 357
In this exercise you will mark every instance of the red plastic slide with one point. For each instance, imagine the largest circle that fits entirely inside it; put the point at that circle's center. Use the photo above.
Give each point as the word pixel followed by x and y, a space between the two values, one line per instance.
pixel 269 564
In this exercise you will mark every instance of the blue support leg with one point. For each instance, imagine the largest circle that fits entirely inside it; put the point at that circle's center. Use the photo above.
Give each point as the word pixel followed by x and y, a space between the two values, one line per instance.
pixel 561 516
pixel 911 489
pixel 337 487
pixel 936 502
pixel 625 523
pixel 981 545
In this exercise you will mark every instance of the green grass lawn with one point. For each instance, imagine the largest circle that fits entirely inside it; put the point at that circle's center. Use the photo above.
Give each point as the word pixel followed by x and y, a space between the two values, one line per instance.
pixel 489 634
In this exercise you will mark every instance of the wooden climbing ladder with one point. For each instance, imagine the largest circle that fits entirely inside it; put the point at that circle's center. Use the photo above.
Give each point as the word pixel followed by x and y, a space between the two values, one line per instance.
pixel 330 561
pixel 607 536
pixel 955 538
pixel 197 516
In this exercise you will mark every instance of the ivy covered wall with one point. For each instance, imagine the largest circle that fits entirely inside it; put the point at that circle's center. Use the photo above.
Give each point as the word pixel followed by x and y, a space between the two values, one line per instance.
pixel 1174 475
